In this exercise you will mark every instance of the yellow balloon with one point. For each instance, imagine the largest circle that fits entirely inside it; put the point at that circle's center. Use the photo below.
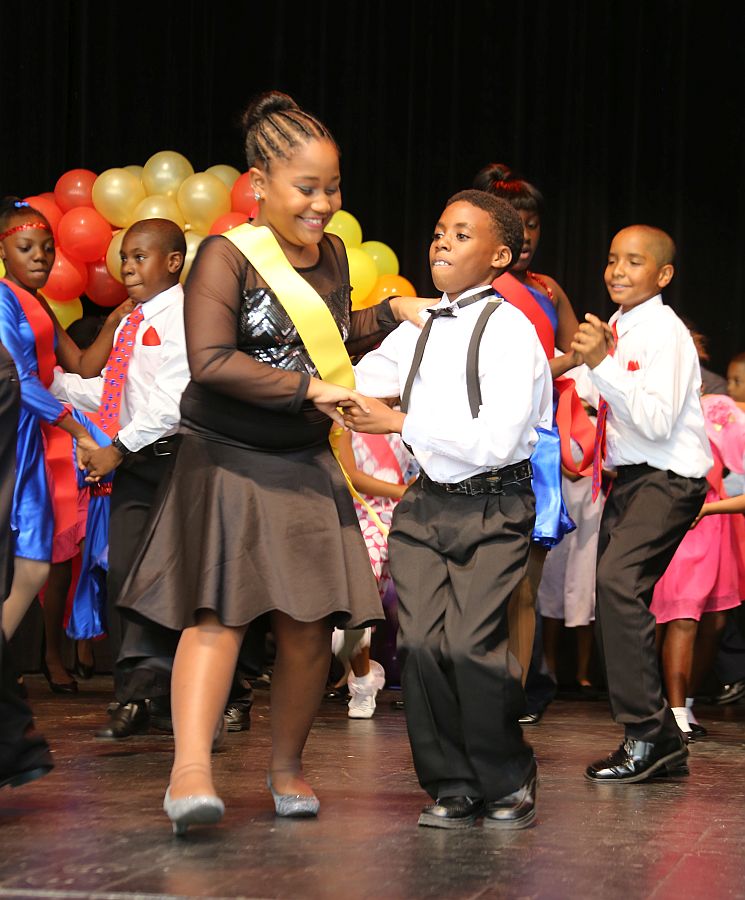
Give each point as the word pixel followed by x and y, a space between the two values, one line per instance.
pixel 362 276
pixel 2 269
pixel 135 170
pixel 386 261
pixel 158 206
pixel 202 198
pixel 346 227
pixel 164 172
pixel 193 240
pixel 113 260
pixel 116 194
pixel 227 174
pixel 67 311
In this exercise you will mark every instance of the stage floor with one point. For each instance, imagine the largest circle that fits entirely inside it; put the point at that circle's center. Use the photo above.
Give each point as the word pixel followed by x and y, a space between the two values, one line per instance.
pixel 94 827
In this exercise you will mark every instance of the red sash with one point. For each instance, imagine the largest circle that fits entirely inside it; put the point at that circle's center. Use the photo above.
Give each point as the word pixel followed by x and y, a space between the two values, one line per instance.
pixel 571 418
pixel 61 476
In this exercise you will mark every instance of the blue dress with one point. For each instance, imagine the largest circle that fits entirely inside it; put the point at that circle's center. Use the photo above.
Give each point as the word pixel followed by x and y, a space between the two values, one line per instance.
pixel 31 519
pixel 552 519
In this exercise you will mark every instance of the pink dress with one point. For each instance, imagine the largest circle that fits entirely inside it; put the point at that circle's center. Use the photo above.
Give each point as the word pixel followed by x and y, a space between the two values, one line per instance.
pixel 707 573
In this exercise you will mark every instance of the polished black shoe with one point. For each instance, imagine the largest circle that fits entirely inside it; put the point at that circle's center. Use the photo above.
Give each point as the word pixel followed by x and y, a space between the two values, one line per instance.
pixel 698 731
pixel 58 687
pixel 516 810
pixel 730 693
pixel 452 812
pixel 530 718
pixel 637 760
pixel 126 719
pixel 33 761
pixel 337 694
pixel 237 716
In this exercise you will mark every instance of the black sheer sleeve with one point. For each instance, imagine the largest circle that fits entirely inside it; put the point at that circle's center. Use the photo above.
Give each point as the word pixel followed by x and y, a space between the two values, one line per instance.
pixel 213 299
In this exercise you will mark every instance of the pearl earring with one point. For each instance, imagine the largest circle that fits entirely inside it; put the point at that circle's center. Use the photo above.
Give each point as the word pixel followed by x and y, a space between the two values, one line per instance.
pixel 257 195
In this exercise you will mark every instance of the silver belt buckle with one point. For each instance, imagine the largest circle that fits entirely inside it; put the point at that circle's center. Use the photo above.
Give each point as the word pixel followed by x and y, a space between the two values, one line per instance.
pixel 164 449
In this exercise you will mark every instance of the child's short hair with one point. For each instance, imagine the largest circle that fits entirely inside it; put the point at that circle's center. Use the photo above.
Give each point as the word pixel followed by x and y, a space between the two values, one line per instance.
pixel 506 223
pixel 12 207
pixel 167 233
pixel 499 180
pixel 737 359
pixel 663 244
pixel 274 126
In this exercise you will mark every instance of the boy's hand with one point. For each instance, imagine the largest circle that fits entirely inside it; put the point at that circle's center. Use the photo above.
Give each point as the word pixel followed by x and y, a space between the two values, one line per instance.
pixel 407 309
pixel 327 397
pixel 101 462
pixel 593 341
pixel 84 447
pixel 375 417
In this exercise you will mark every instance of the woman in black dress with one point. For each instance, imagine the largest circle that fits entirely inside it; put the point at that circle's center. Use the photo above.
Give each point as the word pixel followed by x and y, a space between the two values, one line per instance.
pixel 257 516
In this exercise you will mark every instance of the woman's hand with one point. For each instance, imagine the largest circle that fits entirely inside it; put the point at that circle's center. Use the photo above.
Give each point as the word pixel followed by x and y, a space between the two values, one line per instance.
pixel 326 397
pixel 120 312
pixel 408 309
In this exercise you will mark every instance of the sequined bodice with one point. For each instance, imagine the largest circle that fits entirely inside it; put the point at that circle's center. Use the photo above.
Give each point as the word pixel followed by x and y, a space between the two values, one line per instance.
pixel 266 332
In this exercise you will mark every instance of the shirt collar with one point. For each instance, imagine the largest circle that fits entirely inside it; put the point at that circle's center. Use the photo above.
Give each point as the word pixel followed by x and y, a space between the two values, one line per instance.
pixel 160 301
pixel 625 321
pixel 446 301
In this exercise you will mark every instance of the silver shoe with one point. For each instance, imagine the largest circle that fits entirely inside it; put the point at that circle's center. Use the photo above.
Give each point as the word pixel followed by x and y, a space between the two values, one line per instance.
pixel 200 810
pixel 296 806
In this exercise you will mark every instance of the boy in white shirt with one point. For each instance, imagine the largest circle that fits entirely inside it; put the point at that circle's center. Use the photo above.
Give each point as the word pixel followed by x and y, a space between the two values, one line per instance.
pixel 646 368
pixel 460 536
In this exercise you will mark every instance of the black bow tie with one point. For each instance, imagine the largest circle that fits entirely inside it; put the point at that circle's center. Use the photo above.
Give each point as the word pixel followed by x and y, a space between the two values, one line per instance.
pixel 450 310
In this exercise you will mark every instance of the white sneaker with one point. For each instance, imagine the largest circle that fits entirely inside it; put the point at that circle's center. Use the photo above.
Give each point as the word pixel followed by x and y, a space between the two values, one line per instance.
pixel 363 691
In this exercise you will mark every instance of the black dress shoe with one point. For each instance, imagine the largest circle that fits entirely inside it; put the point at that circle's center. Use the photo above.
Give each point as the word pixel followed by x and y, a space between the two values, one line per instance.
pixel 698 731
pixel 730 693
pixel 126 719
pixel 33 761
pixel 452 812
pixel 58 687
pixel 516 810
pixel 340 694
pixel 637 760
pixel 238 716
pixel 530 718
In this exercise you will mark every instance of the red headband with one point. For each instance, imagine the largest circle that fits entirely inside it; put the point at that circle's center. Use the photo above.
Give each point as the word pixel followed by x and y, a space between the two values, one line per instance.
pixel 24 227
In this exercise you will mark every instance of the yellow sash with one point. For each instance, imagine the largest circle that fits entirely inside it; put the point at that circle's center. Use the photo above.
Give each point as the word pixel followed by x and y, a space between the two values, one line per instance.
pixel 309 314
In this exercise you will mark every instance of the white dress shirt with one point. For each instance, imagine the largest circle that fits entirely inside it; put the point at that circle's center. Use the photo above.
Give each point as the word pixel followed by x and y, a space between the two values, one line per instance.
pixel 157 375
pixel 516 390
pixel 653 386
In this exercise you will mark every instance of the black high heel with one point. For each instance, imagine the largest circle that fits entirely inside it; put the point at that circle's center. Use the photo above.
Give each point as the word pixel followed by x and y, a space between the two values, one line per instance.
pixel 58 687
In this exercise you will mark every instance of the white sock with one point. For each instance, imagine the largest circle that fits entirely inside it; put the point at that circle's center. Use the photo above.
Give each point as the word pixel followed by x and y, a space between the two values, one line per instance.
pixel 681 717
pixel 689 710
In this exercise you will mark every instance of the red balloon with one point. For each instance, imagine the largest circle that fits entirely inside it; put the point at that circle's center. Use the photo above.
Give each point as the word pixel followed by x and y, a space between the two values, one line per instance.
pixel 227 221
pixel 74 189
pixel 84 234
pixel 242 196
pixel 67 279
pixel 48 208
pixel 102 289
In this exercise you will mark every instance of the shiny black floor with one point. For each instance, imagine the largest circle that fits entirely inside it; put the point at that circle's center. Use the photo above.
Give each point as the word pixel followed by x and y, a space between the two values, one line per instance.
pixel 94 827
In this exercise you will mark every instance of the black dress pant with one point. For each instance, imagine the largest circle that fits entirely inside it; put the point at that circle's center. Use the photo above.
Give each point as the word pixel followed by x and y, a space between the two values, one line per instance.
pixel 134 491
pixel 455 560
pixel 646 516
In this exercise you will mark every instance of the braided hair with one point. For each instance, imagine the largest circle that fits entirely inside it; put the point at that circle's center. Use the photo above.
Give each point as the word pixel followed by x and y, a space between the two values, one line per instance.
pixel 501 181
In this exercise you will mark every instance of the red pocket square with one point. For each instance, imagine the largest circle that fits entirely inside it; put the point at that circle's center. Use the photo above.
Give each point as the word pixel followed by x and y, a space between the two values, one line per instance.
pixel 633 366
pixel 150 338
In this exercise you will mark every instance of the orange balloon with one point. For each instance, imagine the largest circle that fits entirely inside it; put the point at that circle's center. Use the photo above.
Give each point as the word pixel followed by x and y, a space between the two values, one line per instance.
pixel 102 289
pixel 74 188
pixel 84 234
pixel 67 279
pixel 242 196
pixel 47 206
pixel 228 221
pixel 389 286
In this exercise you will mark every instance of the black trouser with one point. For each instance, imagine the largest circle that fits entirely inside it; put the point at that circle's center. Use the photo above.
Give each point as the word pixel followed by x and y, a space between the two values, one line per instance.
pixel 455 560
pixel 646 516
pixel 133 495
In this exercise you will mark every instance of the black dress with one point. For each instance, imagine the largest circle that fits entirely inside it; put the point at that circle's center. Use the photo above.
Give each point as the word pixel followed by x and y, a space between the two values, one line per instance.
pixel 256 515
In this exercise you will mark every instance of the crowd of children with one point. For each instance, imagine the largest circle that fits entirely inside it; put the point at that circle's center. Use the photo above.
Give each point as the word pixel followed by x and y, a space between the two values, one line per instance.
pixel 221 434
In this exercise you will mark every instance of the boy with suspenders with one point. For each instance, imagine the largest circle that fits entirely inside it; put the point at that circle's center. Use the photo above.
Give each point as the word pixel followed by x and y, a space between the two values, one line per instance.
pixel 474 384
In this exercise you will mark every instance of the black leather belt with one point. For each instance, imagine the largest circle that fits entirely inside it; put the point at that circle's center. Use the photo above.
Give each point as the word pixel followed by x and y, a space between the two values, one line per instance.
pixel 163 447
pixel 492 482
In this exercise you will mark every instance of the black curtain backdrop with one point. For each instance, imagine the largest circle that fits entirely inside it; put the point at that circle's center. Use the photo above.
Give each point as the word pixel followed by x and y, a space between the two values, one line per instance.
pixel 620 112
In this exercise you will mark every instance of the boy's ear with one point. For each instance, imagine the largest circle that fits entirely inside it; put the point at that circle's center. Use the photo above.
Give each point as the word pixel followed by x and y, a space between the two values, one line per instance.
pixel 175 261
pixel 665 275
pixel 502 258
pixel 258 180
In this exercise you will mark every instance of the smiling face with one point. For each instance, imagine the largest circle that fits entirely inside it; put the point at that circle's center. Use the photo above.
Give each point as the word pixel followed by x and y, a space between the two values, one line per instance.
pixel 298 197
pixel 635 271
pixel 148 268
pixel 28 254
pixel 531 236
pixel 465 251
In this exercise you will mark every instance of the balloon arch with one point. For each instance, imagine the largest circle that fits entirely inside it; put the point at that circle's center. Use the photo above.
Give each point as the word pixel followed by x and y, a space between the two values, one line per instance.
pixel 90 213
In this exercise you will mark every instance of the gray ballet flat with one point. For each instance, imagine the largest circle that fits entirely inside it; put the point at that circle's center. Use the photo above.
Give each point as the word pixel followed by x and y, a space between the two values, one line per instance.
pixel 294 806
pixel 200 810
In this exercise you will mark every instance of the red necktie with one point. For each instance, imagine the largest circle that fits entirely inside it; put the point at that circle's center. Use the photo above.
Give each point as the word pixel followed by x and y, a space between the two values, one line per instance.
pixel 598 450
pixel 116 372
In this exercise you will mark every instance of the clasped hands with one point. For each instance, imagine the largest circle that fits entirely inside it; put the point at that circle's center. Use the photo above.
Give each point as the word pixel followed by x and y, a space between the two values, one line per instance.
pixel 98 461
pixel 593 341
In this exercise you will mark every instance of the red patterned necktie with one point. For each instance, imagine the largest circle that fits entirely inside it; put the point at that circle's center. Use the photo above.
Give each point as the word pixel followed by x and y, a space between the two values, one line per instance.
pixel 116 372
pixel 598 450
